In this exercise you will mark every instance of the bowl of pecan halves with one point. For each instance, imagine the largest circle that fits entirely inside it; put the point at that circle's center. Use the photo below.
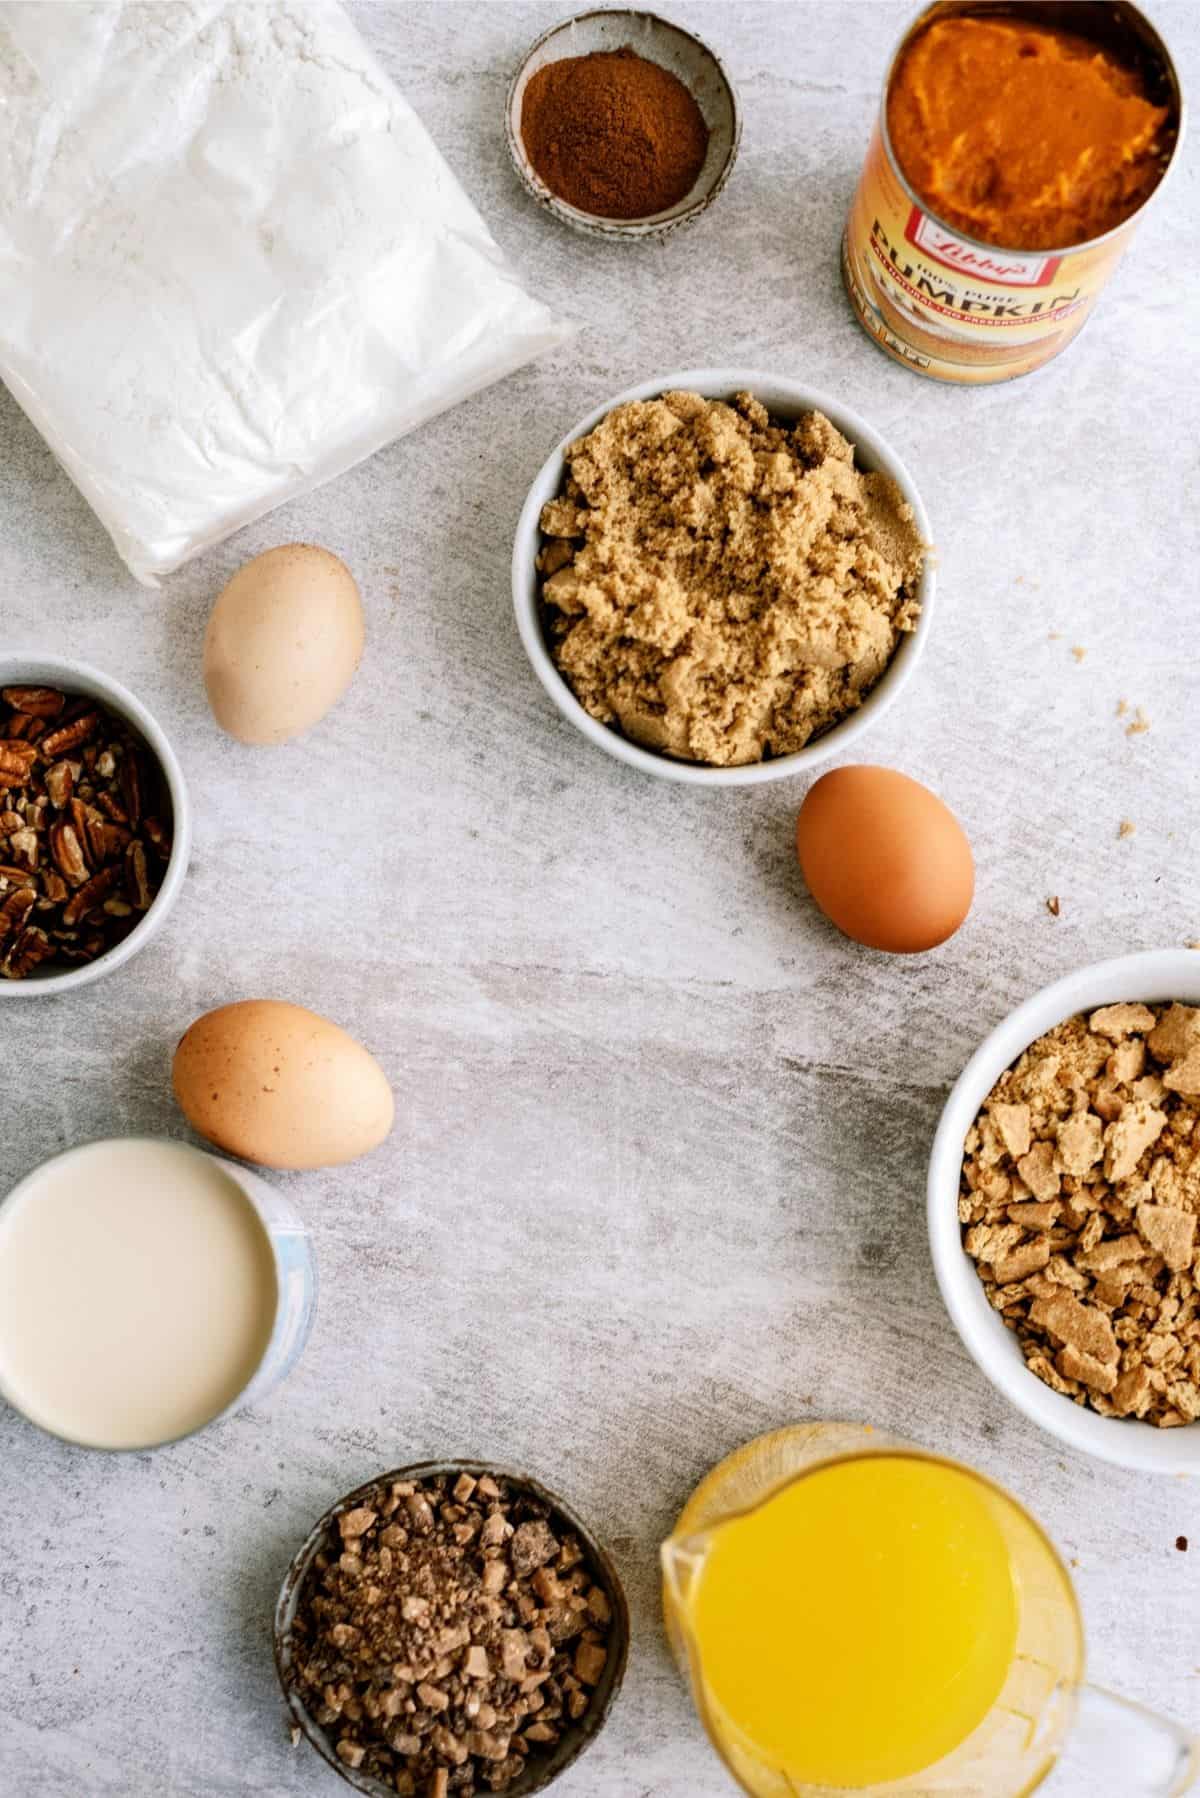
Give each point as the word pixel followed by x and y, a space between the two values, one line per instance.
pixel 95 826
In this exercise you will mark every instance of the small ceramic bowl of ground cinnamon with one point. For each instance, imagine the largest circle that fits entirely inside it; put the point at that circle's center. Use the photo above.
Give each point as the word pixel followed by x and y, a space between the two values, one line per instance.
pixel 622 125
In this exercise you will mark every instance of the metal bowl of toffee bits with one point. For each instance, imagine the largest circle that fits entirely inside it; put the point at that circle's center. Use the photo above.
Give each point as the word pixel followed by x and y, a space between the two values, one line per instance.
pixel 450 1629
pixel 623 125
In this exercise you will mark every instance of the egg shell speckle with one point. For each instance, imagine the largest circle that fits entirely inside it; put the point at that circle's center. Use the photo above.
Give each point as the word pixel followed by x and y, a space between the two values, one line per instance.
pixel 284 639
pixel 885 859
pixel 281 1086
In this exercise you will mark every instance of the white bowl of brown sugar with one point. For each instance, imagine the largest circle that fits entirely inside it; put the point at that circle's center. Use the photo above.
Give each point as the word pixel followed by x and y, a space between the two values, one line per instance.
pixel 728 582
pixel 1064 1209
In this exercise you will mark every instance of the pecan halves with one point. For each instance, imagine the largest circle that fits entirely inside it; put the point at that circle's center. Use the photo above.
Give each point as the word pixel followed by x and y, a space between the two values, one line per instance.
pixel 16 761
pixel 30 950
pixel 13 912
pixel 26 728
pixel 137 876
pixel 105 839
pixel 78 866
pixel 35 702
pixel 79 816
pixel 70 736
pixel 131 787
pixel 23 846
pixel 60 784
pixel 68 854
pixel 91 896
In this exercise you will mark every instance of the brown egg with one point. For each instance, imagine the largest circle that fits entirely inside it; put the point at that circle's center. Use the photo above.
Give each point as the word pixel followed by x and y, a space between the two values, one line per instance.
pixel 280 1085
pixel 884 859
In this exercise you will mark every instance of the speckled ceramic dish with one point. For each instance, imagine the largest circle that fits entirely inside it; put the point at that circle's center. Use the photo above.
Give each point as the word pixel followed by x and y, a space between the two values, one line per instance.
pixel 672 48
pixel 576 1738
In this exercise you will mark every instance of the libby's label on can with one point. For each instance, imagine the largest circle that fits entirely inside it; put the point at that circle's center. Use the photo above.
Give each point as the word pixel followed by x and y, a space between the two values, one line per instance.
pixel 957 310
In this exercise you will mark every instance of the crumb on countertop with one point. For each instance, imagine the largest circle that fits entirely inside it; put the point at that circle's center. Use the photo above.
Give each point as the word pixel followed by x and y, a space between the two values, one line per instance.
pixel 1054 906
pixel 1078 651
pixel 1139 726
pixel 1127 828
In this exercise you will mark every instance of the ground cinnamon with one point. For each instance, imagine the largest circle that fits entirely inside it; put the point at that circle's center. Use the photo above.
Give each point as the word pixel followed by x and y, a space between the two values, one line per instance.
pixel 613 134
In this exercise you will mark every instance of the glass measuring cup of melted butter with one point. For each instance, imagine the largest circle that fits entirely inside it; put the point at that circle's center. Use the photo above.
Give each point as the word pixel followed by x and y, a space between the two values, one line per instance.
pixel 855 1615
pixel 146 1289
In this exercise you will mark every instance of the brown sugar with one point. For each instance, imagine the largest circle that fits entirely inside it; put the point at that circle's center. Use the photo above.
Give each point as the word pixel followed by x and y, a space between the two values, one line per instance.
pixel 1024 135
pixel 722 586
pixel 613 134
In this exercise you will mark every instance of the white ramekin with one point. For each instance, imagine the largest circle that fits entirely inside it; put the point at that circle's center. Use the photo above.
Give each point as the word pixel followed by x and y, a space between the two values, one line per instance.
pixel 783 399
pixel 295 1281
pixel 1154 976
pixel 29 668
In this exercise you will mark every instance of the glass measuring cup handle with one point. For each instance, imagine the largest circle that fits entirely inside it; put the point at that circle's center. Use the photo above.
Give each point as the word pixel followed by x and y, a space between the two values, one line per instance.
pixel 1129 1749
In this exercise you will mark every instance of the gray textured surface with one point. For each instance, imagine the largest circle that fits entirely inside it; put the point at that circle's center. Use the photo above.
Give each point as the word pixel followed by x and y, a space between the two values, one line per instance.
pixel 656 1180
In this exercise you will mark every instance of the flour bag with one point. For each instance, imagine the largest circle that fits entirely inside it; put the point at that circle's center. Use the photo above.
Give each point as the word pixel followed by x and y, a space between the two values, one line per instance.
pixel 232 261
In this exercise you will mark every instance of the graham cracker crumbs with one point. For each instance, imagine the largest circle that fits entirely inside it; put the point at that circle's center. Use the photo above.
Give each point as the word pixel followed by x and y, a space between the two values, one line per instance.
pixel 720 586
pixel 1080 1205
pixel 1078 651
pixel 294 1735
pixel 1139 726
pixel 1122 707
pixel 1194 944
pixel 447 1635
pixel 1054 906
pixel 1127 828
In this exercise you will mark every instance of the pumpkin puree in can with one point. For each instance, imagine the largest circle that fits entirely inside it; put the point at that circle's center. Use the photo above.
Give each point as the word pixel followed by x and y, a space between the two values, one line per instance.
pixel 1003 182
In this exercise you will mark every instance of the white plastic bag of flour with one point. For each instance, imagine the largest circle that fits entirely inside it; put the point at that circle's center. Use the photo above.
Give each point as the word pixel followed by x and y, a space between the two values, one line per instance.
pixel 232 260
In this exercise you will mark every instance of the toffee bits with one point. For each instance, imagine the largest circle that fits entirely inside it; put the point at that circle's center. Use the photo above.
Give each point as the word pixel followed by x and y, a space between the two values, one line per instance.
pixel 448 1634
pixel 613 134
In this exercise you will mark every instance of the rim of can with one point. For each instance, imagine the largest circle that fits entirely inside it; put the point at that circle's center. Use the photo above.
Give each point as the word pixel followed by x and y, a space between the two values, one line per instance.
pixel 1123 11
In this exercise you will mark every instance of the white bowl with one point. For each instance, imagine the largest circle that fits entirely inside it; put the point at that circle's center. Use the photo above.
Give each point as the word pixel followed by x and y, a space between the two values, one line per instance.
pixel 671 47
pixel 28 668
pixel 295 1277
pixel 783 399
pixel 1157 975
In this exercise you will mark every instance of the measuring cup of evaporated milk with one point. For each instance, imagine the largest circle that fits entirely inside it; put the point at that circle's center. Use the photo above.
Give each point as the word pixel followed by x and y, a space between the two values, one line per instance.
pixel 856 1615
pixel 146 1289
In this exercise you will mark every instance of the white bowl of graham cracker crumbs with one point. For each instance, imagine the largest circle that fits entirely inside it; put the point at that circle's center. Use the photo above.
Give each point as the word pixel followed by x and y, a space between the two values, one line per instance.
pixel 708 655
pixel 1073 1163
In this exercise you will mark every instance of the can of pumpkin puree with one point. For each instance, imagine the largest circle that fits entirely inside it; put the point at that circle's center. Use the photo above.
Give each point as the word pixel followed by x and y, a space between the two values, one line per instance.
pixel 951 305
